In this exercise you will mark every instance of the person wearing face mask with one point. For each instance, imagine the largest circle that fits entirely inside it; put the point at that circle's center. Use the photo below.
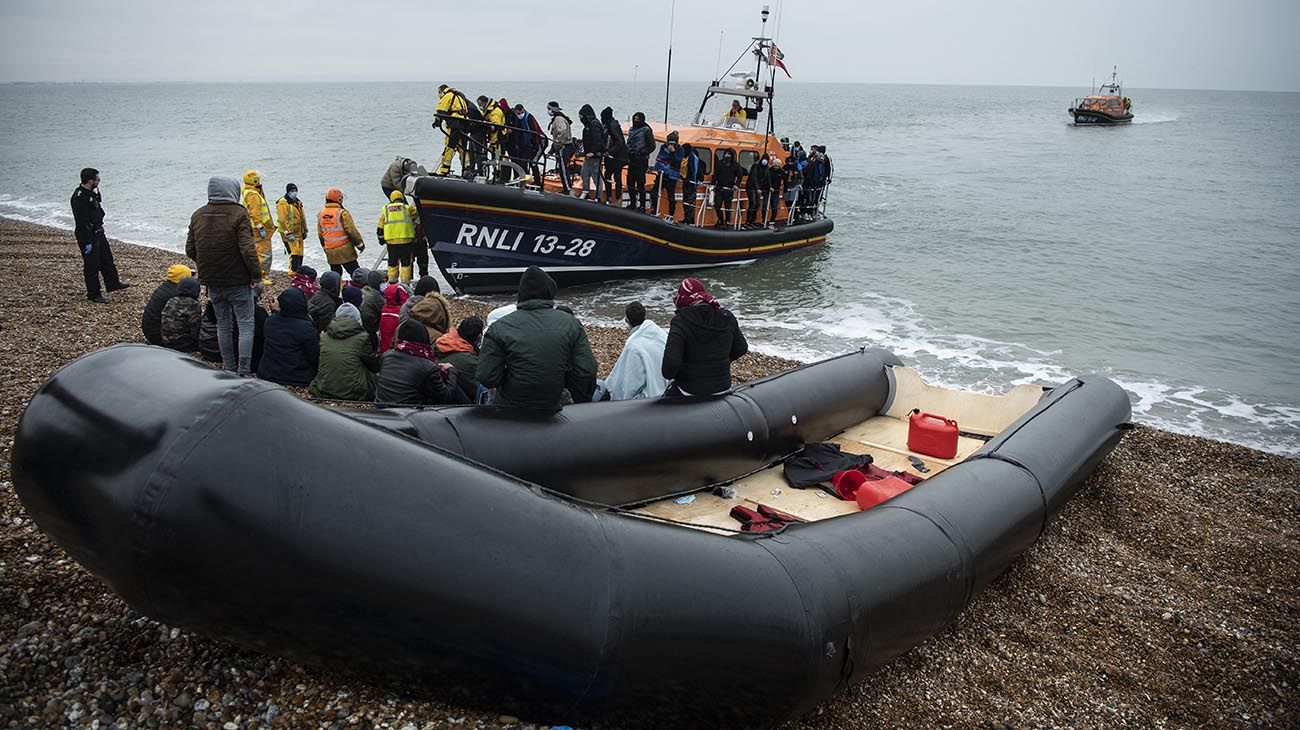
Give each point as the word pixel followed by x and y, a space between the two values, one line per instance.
pixel 293 225
pixel 756 186
pixel 725 177
pixel 692 174
pixel 96 255
pixel 617 159
pixel 640 143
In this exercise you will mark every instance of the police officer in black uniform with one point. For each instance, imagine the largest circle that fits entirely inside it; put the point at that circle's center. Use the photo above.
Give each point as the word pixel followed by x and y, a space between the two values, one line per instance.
pixel 96 256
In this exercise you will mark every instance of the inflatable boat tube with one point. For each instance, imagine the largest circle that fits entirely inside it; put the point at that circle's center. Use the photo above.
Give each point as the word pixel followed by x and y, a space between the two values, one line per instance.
pixel 625 452
pixel 232 508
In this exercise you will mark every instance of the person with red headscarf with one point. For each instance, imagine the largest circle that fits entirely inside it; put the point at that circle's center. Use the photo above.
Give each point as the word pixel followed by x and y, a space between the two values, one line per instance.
pixel 703 340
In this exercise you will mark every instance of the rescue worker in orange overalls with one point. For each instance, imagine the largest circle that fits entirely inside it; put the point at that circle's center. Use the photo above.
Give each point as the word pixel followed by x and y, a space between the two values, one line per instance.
pixel 396 228
pixel 259 217
pixel 338 234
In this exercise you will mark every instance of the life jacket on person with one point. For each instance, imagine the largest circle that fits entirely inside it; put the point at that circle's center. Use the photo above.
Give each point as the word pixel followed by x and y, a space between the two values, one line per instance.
pixel 330 225
pixel 399 224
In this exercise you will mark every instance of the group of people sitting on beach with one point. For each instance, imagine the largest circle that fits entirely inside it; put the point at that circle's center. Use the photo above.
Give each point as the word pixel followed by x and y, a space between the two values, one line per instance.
pixel 375 340
pixel 486 133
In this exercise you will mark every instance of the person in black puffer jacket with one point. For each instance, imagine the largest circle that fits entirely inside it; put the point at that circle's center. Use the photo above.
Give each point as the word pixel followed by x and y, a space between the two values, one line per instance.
pixel 291 348
pixel 408 374
pixel 703 340
pixel 325 301
pixel 151 320
pixel 640 143
pixel 616 145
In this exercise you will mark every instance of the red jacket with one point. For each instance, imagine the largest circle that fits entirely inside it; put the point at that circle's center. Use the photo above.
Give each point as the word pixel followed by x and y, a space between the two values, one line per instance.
pixel 394 297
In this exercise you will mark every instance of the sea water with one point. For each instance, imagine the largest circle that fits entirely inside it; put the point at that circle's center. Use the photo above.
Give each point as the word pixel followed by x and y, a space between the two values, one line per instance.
pixel 977 234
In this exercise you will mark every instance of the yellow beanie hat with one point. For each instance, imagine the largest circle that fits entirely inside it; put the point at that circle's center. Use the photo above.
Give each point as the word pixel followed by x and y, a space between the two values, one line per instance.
pixel 176 272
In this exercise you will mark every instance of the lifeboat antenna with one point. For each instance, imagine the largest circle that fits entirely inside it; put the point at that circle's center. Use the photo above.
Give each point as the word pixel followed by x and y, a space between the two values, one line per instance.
pixel 668 84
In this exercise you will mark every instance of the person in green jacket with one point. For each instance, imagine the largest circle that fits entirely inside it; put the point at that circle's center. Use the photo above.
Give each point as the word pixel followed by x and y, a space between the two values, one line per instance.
pixel 536 352
pixel 348 361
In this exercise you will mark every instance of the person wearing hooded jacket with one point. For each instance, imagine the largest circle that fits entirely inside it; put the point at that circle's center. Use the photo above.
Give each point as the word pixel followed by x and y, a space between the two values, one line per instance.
pixel 390 316
pixel 409 373
pixel 179 325
pixel 325 301
pixel 536 352
pixel 593 152
pixel 640 143
pixel 561 129
pixel 425 285
pixel 433 312
pixel 348 361
pixel 397 173
pixel 668 166
pixel 617 159
pixel 703 340
pixel 396 229
pixel 372 303
pixel 221 243
pixel 459 349
pixel 151 319
pixel 291 345
pixel 338 233
pixel 259 219
pixel 293 225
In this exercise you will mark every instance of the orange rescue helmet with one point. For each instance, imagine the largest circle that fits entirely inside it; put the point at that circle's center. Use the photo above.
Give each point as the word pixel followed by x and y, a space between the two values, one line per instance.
pixel 334 195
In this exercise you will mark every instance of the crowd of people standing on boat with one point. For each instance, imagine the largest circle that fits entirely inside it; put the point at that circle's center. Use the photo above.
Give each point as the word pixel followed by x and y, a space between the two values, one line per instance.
pixel 486 133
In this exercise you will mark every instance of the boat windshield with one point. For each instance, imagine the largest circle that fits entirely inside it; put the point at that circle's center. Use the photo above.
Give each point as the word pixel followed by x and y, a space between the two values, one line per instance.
pixel 743 121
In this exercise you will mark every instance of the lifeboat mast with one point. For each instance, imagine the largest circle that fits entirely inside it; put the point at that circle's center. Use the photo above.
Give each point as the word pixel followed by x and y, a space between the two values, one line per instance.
pixel 761 47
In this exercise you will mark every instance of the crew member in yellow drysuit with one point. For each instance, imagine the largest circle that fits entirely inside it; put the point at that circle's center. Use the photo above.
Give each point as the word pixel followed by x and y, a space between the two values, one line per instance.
pixel 396 228
pixel 259 217
pixel 452 110
pixel 293 224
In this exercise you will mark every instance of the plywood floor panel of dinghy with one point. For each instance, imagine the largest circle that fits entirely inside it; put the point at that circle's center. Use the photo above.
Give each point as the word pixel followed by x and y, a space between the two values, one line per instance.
pixel 883 437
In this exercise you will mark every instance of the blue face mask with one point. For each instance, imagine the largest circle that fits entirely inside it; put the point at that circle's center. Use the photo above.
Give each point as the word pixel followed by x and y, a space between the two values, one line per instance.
pixel 292 195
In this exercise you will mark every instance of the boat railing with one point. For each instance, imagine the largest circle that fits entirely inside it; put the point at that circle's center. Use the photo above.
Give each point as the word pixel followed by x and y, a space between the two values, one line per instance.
pixel 810 205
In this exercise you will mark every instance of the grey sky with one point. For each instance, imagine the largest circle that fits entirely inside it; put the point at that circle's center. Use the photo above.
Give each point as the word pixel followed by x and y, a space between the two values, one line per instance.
pixel 1204 44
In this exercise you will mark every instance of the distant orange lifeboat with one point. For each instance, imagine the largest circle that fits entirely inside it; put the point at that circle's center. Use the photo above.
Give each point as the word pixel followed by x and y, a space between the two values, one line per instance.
pixel 1108 106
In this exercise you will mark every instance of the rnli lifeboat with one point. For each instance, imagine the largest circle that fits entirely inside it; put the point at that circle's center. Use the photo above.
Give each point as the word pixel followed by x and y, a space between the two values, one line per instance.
pixel 1107 106
pixel 484 232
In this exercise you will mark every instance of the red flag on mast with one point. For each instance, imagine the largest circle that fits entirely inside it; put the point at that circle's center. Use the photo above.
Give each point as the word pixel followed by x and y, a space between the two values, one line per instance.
pixel 774 59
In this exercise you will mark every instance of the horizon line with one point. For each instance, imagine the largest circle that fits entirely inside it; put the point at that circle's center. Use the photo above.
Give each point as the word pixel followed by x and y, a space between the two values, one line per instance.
pixel 16 82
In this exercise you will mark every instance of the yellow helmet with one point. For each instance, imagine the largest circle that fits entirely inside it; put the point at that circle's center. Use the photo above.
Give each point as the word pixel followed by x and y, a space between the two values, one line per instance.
pixel 253 178
pixel 396 196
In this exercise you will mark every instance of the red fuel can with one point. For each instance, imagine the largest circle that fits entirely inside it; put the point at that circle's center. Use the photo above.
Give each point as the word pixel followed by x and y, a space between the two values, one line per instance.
pixel 875 491
pixel 932 435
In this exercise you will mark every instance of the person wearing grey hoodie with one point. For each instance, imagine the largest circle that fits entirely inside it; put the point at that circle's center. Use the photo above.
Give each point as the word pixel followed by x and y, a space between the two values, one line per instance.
pixel 220 242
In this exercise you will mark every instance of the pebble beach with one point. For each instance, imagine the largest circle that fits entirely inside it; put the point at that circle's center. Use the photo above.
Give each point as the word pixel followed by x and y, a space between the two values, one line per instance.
pixel 1167 593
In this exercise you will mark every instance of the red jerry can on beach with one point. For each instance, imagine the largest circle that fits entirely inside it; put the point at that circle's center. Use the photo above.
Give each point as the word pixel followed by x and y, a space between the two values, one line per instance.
pixel 931 435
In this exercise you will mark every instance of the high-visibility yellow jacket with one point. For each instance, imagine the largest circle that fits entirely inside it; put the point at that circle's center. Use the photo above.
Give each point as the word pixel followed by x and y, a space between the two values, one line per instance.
pixel 453 104
pixel 293 222
pixel 398 223
pixel 259 215
pixel 495 116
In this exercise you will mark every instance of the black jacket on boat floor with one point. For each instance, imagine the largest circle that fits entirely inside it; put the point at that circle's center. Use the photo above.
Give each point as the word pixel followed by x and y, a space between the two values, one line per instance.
pixel 291 345
pixel 151 320
pixel 702 342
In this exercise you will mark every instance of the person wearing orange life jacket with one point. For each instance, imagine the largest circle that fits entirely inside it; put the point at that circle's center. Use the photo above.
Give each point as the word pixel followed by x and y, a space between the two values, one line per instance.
pixel 293 225
pixel 338 234
pixel 396 228
pixel 259 218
